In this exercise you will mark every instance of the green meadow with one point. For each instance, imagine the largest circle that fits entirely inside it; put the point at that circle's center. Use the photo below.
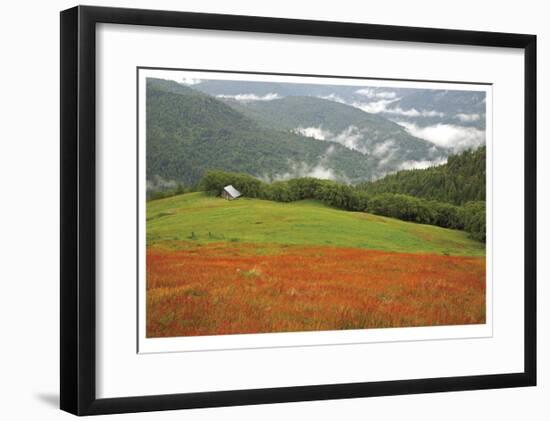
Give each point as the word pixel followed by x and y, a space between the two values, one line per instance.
pixel 202 219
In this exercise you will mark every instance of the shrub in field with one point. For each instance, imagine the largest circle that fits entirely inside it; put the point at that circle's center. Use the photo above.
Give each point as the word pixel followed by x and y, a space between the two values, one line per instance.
pixel 475 220
pixel 336 194
pixel 358 201
pixel 447 215
pixel 305 187
pixel 278 191
pixel 400 206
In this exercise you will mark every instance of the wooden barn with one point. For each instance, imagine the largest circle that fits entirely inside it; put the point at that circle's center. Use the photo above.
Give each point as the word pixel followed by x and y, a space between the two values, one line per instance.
pixel 230 193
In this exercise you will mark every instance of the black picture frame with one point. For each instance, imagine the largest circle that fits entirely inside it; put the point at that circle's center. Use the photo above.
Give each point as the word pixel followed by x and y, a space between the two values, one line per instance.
pixel 78 164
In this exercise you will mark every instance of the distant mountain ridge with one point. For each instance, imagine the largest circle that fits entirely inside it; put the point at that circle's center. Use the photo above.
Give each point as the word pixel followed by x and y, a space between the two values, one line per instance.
pixel 377 137
pixel 420 106
pixel 189 131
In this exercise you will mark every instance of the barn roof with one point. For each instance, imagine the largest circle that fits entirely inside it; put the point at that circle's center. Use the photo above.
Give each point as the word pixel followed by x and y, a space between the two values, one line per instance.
pixel 232 191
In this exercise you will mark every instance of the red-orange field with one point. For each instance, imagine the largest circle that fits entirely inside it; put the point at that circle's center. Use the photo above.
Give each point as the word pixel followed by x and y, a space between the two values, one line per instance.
pixel 225 289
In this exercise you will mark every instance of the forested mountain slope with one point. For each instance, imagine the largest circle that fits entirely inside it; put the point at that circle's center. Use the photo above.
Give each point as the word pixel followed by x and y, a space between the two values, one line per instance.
pixel 189 132
pixel 460 180
pixel 388 143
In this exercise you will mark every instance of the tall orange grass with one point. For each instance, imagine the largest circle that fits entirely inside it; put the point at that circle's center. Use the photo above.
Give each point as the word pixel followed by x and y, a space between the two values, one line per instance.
pixel 227 289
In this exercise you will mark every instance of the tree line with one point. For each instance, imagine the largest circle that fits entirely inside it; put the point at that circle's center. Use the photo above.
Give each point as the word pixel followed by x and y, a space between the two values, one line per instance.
pixel 469 216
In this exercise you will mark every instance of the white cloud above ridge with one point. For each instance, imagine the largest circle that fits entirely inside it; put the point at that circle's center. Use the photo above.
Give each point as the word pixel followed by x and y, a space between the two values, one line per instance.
pixel 380 104
pixel 333 97
pixel 381 107
pixel 413 112
pixel 467 118
pixel 374 107
pixel 450 136
pixel 372 93
pixel 250 97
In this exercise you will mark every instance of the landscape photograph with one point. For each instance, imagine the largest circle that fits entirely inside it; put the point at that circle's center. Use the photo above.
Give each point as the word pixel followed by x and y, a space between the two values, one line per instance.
pixel 289 204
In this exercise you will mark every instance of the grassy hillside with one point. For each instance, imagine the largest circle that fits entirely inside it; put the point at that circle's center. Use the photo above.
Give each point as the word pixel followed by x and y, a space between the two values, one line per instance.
pixel 196 217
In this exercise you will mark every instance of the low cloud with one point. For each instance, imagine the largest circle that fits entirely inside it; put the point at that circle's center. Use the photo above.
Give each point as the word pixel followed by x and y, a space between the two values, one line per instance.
pixel 301 169
pixel 416 165
pixel 413 112
pixel 350 137
pixel 456 138
pixel 387 159
pixel 320 170
pixel 383 149
pixel 383 106
pixel 381 103
pixel 373 107
pixel 466 118
pixel 372 93
pixel 333 97
pixel 314 132
pixel 159 183
pixel 251 97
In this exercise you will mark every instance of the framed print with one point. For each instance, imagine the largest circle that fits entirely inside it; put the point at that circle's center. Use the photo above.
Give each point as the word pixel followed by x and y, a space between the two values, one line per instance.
pixel 260 210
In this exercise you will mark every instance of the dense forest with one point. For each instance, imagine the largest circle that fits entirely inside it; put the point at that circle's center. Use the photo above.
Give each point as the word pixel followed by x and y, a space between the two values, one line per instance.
pixel 460 180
